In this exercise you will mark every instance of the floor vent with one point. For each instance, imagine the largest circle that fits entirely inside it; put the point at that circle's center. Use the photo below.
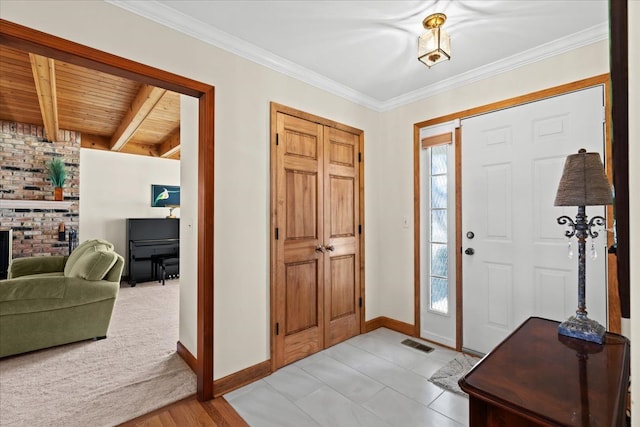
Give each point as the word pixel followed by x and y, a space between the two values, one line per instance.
pixel 418 346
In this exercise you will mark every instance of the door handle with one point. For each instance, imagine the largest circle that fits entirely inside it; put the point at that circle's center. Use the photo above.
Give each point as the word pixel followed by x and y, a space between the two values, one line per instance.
pixel 320 248
pixel 469 251
pixel 330 248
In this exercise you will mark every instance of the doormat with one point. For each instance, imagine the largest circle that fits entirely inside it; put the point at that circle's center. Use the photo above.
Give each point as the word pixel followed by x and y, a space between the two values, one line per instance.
pixel 447 377
pixel 418 346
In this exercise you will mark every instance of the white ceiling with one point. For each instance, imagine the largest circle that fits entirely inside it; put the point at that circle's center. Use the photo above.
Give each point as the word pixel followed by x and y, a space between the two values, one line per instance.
pixel 365 51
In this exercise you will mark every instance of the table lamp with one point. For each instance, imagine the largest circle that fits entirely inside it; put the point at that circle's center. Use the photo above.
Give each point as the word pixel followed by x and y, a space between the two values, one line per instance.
pixel 583 183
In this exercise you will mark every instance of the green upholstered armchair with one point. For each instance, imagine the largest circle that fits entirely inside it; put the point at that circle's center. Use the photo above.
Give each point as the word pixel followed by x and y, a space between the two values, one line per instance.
pixel 48 301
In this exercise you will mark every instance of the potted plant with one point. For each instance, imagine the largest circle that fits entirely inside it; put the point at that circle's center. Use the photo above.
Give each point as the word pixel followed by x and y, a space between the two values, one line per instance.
pixel 57 175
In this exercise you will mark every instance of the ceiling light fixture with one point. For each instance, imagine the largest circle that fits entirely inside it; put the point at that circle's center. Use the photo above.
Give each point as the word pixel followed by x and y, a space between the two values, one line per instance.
pixel 435 45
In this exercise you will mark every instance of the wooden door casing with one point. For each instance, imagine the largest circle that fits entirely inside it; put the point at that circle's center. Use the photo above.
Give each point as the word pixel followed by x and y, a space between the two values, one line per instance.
pixel 316 265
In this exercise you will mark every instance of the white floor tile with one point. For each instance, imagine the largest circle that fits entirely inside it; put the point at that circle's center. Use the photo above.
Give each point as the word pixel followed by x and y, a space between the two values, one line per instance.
pixel 262 406
pixel 368 380
pixel 330 408
pixel 428 367
pixel 351 383
pixel 400 379
pixel 453 406
pixel 243 390
pixel 293 382
pixel 395 353
pixel 398 410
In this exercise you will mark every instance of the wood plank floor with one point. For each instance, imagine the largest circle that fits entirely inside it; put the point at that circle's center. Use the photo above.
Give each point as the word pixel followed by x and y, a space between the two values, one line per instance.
pixel 190 412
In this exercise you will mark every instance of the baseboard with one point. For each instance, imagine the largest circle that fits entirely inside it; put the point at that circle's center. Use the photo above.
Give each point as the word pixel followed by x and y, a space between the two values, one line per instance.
pixel 439 340
pixel 241 378
pixel 393 324
pixel 187 357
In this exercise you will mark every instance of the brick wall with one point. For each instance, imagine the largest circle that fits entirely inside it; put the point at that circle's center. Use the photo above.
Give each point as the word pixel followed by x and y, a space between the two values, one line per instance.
pixel 24 153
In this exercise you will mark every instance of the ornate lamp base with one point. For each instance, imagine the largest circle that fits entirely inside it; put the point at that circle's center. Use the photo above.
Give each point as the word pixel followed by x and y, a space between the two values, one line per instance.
pixel 582 328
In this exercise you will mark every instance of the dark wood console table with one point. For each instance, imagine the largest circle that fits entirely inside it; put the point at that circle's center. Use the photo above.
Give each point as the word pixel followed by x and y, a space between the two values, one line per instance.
pixel 537 378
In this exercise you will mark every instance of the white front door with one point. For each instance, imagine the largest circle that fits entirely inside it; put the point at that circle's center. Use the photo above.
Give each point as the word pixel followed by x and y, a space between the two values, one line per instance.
pixel 515 255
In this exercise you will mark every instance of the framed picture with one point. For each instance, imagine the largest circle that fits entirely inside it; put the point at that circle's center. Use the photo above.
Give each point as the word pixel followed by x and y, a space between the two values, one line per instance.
pixel 165 196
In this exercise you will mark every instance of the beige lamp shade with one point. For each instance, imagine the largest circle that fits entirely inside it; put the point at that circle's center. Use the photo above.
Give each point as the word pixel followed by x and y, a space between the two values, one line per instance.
pixel 583 181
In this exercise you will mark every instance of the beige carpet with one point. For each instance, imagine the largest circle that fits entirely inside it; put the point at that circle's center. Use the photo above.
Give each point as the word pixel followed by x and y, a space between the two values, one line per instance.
pixel 103 383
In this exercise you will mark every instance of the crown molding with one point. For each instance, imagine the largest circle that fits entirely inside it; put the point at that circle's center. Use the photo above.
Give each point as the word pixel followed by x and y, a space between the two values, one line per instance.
pixel 164 15
pixel 574 41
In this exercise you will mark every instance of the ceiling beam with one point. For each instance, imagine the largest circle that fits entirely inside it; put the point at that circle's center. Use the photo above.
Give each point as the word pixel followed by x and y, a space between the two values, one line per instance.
pixel 170 145
pixel 144 102
pixel 44 76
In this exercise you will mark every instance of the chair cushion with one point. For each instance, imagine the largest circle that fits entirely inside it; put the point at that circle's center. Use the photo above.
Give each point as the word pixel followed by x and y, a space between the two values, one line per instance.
pixel 81 249
pixel 30 288
pixel 94 263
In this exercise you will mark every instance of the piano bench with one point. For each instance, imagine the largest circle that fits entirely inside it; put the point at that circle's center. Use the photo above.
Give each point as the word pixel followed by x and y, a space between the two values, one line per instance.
pixel 163 264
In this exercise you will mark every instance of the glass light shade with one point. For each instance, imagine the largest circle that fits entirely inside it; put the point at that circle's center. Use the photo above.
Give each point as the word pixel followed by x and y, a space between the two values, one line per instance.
pixel 583 182
pixel 434 46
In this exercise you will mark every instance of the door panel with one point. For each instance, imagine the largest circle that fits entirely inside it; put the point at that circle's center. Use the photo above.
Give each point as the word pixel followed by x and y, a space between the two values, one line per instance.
pixel 300 269
pixel 302 204
pixel 512 160
pixel 342 286
pixel 301 285
pixel 342 314
pixel 342 221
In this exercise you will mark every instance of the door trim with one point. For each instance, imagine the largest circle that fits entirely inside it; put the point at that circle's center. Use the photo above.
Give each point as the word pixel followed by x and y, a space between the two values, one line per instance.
pixel 279 108
pixel 613 309
pixel 27 39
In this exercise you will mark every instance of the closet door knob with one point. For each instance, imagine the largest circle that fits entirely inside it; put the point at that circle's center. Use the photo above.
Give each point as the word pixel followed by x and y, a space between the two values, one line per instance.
pixel 330 248
pixel 320 248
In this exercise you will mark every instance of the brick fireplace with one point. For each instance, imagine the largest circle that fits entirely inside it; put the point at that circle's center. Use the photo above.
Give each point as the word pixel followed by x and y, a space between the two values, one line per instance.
pixel 26 194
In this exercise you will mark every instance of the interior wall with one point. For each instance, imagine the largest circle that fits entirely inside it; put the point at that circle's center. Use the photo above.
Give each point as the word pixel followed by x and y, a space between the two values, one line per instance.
pixel 188 222
pixel 634 195
pixel 117 186
pixel 395 188
pixel 243 92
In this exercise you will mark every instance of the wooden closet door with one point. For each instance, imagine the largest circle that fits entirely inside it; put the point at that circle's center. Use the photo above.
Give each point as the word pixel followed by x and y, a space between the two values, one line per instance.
pixel 341 240
pixel 300 268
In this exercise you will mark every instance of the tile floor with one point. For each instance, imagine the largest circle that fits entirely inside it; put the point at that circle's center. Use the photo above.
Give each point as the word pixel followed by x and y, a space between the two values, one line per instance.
pixel 370 380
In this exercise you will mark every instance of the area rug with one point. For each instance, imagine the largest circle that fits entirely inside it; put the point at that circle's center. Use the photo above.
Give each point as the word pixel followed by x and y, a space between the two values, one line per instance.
pixel 103 383
pixel 447 377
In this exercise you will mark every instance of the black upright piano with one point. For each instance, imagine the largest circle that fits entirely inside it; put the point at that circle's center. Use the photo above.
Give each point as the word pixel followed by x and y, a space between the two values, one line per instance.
pixel 147 239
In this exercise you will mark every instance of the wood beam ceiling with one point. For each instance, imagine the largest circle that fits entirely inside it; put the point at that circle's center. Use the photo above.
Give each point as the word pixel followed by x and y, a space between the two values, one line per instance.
pixel 171 145
pixel 44 76
pixel 141 106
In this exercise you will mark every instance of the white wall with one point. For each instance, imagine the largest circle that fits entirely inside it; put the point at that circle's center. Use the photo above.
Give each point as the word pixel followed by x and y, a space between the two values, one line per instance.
pixel 117 186
pixel 634 197
pixel 243 92
pixel 188 223
pixel 395 157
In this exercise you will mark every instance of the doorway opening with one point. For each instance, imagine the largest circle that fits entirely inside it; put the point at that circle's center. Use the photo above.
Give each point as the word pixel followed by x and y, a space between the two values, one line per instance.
pixel 27 39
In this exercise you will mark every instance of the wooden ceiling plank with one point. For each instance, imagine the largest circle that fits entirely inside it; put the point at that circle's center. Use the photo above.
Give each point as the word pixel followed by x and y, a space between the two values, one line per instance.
pixel 170 145
pixel 44 75
pixel 142 105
